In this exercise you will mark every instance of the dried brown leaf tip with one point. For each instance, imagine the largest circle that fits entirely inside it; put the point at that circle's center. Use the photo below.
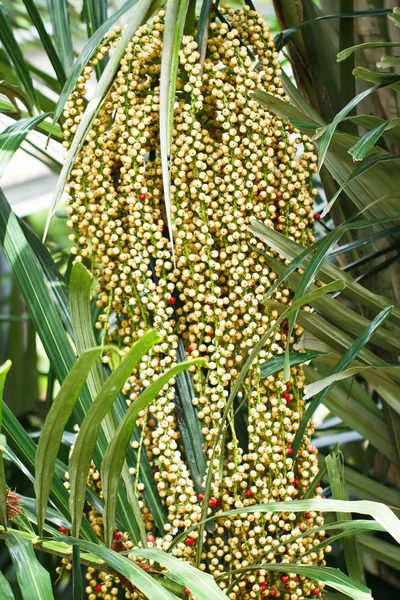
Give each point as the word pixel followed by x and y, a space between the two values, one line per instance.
pixel 13 505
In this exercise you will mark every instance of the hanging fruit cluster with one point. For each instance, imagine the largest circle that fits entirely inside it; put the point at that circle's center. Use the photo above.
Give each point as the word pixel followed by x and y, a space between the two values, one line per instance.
pixel 230 160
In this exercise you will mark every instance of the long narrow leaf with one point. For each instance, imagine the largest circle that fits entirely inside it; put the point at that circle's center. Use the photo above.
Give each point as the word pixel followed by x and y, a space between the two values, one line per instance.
pixel 326 133
pixel 313 389
pixel 145 582
pixel 343 54
pixel 202 585
pixel 3 487
pixel 339 492
pixel 5 589
pixel 367 164
pixel 51 435
pixel 328 272
pixel 84 56
pixel 377 510
pixel 34 581
pixel 37 21
pixel 61 30
pixel 16 57
pixel 114 458
pixel 128 509
pixel 83 451
pixel 173 30
pixel 369 139
pixel 13 136
pixel 346 359
pixel 284 37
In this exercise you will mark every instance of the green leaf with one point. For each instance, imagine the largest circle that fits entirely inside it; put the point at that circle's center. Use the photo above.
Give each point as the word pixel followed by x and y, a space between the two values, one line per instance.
pixel 139 15
pixel 84 446
pixel 147 584
pixel 377 510
pixel 95 12
pixel 276 363
pixel 37 21
pixel 114 458
pixel 202 28
pixel 380 550
pixel 339 492
pixel 344 403
pixel 284 37
pixel 48 326
pixel 189 424
pixel 325 134
pixel 343 54
pixel 363 191
pixel 84 56
pixel 287 110
pixel 295 253
pixel 77 586
pixel 13 136
pixel 376 77
pixel 202 585
pixel 3 486
pixel 337 312
pixel 315 388
pixel 369 139
pixel 53 429
pixel 59 16
pixel 367 164
pixel 5 589
pixel 345 360
pixel 34 581
pixel 388 61
pixel 128 509
pixel 395 16
pixel 16 57
pixel 173 30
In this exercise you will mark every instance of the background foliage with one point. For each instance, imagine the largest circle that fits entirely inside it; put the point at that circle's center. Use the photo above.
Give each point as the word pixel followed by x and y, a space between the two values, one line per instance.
pixel 45 312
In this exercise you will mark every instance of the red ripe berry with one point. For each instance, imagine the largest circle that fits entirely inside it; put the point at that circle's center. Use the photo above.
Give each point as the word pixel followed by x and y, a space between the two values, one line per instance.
pixel 248 493
pixel 62 529
pixel 150 538
pixel 289 450
pixel 273 592
pixel 212 502
pixel 263 586
pixel 317 216
pixel 190 541
pixel 186 591
pixel 117 535
pixel 98 587
pixel 190 349
pixel 219 504
pixel 272 202
pixel 201 496
pixel 284 578
pixel 142 196
pixel 286 396
pixel 211 306
pixel 307 515
pixel 315 592
pixel 296 482
pixel 172 300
